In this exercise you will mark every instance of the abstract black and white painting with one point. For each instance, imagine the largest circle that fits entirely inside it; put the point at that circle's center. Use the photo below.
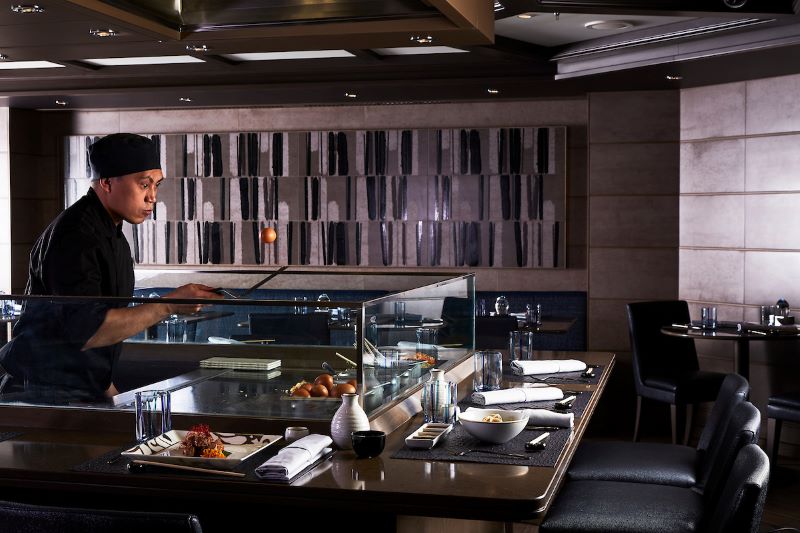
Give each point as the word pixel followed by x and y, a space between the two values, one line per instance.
pixel 465 197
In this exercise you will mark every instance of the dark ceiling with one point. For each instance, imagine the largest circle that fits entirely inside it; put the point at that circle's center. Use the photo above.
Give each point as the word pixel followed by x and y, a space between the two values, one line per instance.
pixel 548 53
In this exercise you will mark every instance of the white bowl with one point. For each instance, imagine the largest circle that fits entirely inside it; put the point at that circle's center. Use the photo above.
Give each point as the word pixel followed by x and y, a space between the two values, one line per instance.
pixel 495 432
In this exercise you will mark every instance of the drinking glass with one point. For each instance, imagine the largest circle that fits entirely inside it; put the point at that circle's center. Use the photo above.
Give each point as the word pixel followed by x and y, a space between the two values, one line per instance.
pixel 176 329
pixel 399 314
pixel 439 401
pixel 533 315
pixel 426 343
pixel 482 308
pixel 520 345
pixel 766 311
pixel 488 370
pixel 708 318
pixel 153 412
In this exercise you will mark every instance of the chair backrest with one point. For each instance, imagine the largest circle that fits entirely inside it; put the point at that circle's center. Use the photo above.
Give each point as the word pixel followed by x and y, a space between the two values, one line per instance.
pixel 734 389
pixel 656 353
pixel 492 331
pixel 27 518
pixel 311 328
pixel 742 429
pixel 741 502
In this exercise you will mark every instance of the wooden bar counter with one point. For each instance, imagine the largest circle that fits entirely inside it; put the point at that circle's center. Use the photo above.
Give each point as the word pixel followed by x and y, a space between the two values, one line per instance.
pixel 343 493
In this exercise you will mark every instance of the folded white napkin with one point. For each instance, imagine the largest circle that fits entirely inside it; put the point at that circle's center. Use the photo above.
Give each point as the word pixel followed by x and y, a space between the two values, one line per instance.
pixel 527 368
pixel 543 417
pixel 517 395
pixel 292 459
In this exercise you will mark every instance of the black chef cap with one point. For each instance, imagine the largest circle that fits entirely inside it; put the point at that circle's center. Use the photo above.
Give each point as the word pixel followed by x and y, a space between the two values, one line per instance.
pixel 123 153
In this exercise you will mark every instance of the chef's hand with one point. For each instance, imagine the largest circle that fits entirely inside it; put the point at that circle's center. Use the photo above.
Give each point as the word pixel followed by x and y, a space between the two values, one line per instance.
pixel 194 291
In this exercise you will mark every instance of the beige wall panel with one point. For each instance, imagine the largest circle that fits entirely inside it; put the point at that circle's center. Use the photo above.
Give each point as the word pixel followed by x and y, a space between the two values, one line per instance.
pixel 713 221
pixel 577 258
pixel 772 105
pixel 712 166
pixel 716 111
pixel 773 221
pixel 576 221
pixel 634 116
pixel 608 325
pixel 5 224
pixel 772 163
pixel 95 122
pixel 179 121
pixel 647 168
pixel 577 172
pixel 631 273
pixel 644 221
pixel 771 275
pixel 712 275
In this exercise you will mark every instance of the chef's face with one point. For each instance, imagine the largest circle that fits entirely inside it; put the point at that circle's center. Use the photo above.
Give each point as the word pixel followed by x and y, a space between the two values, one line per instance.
pixel 131 197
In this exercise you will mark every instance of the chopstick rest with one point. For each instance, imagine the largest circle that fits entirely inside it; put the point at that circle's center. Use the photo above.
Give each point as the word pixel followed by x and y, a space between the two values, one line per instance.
pixel 539 443
pixel 566 403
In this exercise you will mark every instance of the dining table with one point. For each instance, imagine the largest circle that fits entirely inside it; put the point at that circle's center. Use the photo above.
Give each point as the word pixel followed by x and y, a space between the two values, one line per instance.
pixel 740 333
pixel 79 466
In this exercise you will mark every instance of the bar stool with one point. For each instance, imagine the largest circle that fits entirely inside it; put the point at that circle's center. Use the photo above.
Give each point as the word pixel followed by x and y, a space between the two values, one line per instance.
pixel 780 408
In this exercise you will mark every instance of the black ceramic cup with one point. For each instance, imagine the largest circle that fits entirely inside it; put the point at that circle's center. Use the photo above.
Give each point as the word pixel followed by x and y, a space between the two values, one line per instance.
pixel 368 443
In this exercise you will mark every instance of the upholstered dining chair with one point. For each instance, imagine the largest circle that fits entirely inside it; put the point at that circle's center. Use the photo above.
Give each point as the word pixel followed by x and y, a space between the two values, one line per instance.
pixel 26 518
pixel 664 464
pixel 780 408
pixel 666 369
pixel 601 506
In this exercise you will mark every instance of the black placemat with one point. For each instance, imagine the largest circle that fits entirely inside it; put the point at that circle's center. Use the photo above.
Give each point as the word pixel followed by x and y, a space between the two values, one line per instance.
pixel 578 406
pixel 119 465
pixel 5 435
pixel 459 440
pixel 555 379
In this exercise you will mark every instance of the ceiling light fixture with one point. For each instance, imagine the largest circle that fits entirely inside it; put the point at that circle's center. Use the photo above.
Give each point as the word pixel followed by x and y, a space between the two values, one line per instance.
pixel 29 8
pixel 608 25
pixel 498 6
pixel 422 39
pixel 96 32
pixel 351 95
pixel 61 103
pixel 493 91
pixel 673 78
pixel 197 48
pixel 185 99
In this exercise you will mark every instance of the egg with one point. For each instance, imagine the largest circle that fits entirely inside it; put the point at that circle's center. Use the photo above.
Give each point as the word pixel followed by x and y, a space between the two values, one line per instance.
pixel 354 383
pixel 307 386
pixel 268 235
pixel 335 392
pixel 345 388
pixel 301 393
pixel 324 379
pixel 319 391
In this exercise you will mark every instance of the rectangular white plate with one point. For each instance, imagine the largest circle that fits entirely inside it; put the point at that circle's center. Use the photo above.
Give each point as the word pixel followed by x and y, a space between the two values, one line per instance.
pixel 166 448
pixel 435 433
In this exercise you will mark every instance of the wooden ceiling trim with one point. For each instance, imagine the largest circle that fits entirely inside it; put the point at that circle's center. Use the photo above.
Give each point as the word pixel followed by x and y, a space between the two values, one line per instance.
pixel 477 15
pixel 127 18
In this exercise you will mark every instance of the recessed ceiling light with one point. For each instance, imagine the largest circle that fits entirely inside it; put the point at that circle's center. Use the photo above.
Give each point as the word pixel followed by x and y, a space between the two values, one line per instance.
pixel 493 91
pixel 526 16
pixel 61 103
pixel 351 95
pixel 184 99
pixel 417 50
pixel 103 33
pixel 12 65
pixel 422 39
pixel 27 8
pixel 297 54
pixel 608 25
pixel 498 6
pixel 197 48
pixel 151 60
pixel 673 78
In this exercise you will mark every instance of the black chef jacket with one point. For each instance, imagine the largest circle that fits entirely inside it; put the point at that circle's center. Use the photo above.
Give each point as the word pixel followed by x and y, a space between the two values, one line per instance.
pixel 81 253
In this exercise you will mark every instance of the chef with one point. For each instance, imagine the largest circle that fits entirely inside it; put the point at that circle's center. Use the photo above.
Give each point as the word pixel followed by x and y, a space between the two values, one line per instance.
pixel 65 352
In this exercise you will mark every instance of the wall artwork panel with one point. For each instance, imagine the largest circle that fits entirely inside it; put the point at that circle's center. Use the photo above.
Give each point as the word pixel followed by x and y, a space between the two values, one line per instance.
pixel 488 197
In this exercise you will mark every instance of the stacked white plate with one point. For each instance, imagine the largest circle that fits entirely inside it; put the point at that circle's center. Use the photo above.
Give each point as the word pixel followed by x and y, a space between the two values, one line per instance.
pixel 240 363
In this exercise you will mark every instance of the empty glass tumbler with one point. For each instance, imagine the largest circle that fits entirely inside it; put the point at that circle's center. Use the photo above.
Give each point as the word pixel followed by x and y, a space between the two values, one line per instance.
pixel 708 318
pixel 520 345
pixel 153 413
pixel 439 399
pixel 488 370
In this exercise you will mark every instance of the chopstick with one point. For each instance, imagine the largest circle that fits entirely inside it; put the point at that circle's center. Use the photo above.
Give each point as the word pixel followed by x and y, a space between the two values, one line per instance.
pixel 257 341
pixel 188 468
pixel 346 359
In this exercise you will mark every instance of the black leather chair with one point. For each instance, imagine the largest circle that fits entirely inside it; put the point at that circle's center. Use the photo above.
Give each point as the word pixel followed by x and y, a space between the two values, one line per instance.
pixel 595 506
pixel 780 408
pixel 665 369
pixel 492 331
pixel 663 464
pixel 26 518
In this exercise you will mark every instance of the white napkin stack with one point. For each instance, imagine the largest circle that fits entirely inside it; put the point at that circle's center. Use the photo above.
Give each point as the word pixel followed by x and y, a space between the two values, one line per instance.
pixel 292 459
pixel 528 368
pixel 543 417
pixel 517 395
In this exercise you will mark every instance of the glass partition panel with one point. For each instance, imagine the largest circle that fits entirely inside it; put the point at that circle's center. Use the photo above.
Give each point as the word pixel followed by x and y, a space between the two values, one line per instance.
pixel 288 357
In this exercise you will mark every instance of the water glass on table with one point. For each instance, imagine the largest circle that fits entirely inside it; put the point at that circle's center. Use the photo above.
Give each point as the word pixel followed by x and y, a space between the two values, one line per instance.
pixel 153 413
pixel 488 370
pixel 520 345
pixel 399 314
pixel 708 318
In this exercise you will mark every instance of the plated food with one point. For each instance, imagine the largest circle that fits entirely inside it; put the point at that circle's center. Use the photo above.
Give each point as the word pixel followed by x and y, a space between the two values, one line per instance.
pixel 200 442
